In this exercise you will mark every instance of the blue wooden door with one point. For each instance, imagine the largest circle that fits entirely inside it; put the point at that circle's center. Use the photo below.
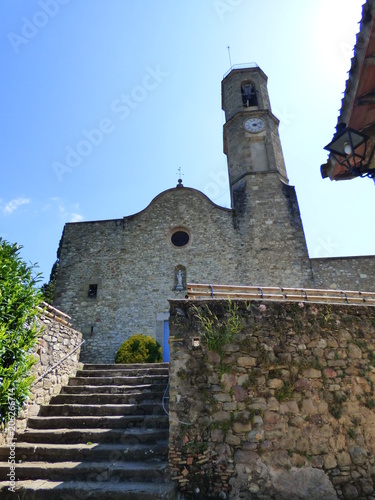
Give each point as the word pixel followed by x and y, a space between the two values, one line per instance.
pixel 165 342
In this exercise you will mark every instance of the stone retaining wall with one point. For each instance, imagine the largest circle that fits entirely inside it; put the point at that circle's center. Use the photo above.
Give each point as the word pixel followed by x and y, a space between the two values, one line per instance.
pixel 56 341
pixel 284 409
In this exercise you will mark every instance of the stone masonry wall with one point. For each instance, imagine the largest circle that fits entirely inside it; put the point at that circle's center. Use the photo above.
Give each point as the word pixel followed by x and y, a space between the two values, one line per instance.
pixel 346 273
pixel 273 249
pixel 134 264
pixel 280 407
pixel 56 341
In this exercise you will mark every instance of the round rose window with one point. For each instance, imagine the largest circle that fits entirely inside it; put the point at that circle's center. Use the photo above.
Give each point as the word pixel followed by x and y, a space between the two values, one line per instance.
pixel 180 238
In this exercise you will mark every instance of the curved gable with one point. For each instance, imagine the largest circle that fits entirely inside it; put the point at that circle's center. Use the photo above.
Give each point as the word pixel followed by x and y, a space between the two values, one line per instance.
pixel 184 192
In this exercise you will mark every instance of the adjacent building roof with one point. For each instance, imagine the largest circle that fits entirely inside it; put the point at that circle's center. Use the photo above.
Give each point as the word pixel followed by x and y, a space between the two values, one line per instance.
pixel 358 104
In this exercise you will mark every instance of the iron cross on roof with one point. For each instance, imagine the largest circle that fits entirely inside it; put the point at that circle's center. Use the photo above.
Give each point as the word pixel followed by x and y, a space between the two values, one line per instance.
pixel 180 174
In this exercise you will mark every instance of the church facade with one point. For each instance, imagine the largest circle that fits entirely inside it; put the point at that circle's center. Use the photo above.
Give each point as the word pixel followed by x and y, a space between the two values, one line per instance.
pixel 116 276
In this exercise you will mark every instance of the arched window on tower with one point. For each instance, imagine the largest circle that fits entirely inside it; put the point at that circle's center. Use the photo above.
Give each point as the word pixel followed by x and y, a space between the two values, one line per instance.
pixel 249 96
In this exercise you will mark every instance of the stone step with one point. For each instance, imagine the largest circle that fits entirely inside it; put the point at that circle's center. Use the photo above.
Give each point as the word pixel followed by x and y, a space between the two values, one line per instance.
pixel 105 436
pixel 129 366
pixel 113 389
pixel 73 490
pixel 118 372
pixel 73 436
pixel 77 410
pixel 102 471
pixel 82 452
pixel 118 380
pixel 103 399
pixel 112 422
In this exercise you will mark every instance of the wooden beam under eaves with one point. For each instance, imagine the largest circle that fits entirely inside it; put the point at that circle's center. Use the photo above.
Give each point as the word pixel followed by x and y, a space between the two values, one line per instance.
pixel 368 98
pixel 370 60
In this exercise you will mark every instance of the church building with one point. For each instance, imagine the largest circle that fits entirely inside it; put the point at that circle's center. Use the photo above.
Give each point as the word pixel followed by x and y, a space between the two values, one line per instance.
pixel 116 276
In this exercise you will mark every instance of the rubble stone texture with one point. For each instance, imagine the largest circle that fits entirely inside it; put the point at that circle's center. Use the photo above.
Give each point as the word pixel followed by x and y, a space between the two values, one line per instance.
pixel 296 422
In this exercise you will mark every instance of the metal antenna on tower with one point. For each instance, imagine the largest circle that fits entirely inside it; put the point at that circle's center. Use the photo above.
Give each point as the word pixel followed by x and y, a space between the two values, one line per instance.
pixel 230 60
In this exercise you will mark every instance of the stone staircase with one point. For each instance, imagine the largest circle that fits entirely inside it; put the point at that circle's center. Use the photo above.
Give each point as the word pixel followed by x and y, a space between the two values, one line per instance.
pixel 105 436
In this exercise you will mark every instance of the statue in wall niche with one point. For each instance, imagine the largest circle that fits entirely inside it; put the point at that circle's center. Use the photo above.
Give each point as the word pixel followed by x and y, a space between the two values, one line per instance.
pixel 179 286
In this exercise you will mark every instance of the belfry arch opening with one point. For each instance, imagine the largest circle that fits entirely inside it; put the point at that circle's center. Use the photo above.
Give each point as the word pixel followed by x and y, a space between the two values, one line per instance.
pixel 249 95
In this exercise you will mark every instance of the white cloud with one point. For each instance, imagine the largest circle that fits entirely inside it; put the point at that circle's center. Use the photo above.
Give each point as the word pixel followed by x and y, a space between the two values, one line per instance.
pixel 75 217
pixel 12 205
pixel 67 214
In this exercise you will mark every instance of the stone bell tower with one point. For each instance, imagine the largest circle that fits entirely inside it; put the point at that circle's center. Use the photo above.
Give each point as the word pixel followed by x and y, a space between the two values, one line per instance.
pixel 251 137
pixel 265 206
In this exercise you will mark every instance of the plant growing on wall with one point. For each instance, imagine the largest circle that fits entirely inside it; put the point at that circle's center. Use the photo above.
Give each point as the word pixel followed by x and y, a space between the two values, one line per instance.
pixel 219 332
pixel 19 301
pixel 139 349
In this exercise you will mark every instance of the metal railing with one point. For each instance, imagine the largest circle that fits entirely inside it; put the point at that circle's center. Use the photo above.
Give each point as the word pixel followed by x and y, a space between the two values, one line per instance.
pixel 58 363
pixel 205 291
pixel 241 66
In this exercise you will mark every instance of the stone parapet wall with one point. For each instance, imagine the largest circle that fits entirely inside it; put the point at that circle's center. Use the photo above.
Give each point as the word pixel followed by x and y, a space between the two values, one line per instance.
pixel 283 409
pixel 56 341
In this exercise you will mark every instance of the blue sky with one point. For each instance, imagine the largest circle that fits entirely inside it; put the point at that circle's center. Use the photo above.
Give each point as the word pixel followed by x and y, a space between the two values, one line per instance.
pixel 69 66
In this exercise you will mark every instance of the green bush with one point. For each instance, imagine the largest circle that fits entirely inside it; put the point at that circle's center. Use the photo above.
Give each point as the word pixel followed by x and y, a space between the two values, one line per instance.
pixel 19 301
pixel 139 349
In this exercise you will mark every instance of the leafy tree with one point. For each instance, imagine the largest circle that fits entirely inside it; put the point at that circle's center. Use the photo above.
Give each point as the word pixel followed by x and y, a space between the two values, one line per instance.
pixel 48 289
pixel 19 301
pixel 139 349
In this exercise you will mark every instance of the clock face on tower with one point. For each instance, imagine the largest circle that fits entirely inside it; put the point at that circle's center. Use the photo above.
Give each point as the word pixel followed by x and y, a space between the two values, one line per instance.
pixel 254 125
